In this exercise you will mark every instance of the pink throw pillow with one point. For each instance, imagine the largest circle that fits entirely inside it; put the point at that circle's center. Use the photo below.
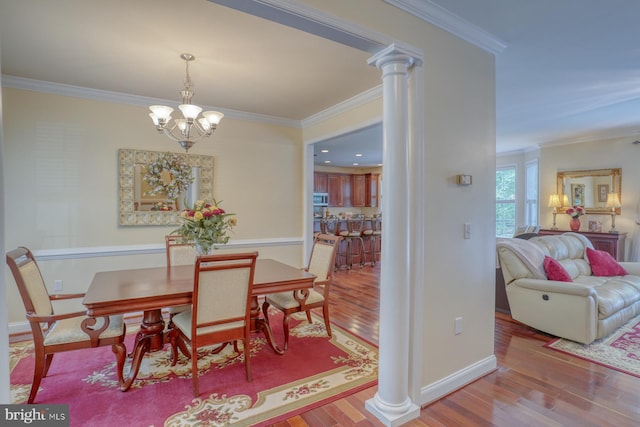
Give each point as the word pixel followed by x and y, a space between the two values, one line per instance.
pixel 555 270
pixel 603 264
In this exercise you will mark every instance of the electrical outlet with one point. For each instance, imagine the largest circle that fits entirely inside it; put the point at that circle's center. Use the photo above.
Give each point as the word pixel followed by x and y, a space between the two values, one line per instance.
pixel 467 230
pixel 457 326
pixel 57 285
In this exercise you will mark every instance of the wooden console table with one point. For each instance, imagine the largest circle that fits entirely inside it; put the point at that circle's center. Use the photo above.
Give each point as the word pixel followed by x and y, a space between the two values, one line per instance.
pixel 609 242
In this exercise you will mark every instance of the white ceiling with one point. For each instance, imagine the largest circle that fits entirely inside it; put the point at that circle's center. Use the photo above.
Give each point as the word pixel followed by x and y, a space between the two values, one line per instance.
pixel 569 72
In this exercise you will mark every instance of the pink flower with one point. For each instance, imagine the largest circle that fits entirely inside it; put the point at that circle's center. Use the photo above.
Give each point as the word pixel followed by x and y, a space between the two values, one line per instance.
pixel 575 211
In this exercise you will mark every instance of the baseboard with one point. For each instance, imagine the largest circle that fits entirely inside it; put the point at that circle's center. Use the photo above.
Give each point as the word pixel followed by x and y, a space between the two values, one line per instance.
pixel 448 385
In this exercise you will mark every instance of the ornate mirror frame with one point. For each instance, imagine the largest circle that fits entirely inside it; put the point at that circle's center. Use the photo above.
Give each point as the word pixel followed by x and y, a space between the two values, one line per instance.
pixel 592 186
pixel 128 159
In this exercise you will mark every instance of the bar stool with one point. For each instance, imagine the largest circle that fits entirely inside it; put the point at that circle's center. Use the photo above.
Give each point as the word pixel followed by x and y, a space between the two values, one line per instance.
pixel 351 235
pixel 330 225
pixel 376 238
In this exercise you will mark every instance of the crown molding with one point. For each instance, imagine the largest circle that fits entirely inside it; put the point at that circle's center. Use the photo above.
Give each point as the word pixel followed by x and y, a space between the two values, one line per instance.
pixel 349 104
pixel 442 18
pixel 123 98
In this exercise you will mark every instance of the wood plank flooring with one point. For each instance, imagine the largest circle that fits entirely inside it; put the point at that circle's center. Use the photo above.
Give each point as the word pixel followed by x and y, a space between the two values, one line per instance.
pixel 533 386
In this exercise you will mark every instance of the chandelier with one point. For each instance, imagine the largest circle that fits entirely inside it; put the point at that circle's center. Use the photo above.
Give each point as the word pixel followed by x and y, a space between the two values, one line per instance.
pixel 189 129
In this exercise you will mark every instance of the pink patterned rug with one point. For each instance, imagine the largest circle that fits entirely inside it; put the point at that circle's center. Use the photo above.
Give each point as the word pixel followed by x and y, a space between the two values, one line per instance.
pixel 313 371
pixel 619 351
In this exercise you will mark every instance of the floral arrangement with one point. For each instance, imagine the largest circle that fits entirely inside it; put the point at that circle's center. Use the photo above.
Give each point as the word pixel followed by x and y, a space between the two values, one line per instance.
pixel 206 224
pixel 180 176
pixel 576 211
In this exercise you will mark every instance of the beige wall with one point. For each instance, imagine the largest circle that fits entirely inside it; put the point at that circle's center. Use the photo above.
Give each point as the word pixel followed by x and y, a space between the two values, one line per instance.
pixel 61 168
pixel 602 154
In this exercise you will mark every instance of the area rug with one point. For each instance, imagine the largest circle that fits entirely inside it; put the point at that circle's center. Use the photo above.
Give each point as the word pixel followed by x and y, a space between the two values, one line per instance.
pixel 313 371
pixel 619 351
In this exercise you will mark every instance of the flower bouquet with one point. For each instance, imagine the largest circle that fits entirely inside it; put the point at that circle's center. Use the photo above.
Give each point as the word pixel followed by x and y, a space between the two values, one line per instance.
pixel 576 211
pixel 205 224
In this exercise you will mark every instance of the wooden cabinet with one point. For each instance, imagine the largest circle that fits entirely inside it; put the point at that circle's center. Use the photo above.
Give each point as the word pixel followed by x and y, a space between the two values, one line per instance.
pixel 345 190
pixel 320 184
pixel 608 242
pixel 372 190
pixel 339 189
pixel 358 190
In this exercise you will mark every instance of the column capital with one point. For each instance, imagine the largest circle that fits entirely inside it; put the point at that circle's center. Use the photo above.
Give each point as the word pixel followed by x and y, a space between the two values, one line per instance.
pixel 394 54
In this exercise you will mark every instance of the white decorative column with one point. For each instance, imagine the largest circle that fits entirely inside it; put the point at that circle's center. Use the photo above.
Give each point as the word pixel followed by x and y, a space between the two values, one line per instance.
pixel 392 404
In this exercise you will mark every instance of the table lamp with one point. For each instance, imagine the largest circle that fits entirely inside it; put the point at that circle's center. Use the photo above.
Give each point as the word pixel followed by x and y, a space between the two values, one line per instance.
pixel 554 202
pixel 613 202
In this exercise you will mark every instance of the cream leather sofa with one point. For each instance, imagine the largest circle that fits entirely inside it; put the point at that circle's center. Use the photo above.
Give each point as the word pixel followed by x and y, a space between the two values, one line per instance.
pixel 586 309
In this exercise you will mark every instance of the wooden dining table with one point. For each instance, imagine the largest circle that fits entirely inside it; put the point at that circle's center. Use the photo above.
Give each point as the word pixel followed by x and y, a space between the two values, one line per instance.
pixel 151 289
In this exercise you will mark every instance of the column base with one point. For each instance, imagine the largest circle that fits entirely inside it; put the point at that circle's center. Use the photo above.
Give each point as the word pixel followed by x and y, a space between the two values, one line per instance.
pixel 392 416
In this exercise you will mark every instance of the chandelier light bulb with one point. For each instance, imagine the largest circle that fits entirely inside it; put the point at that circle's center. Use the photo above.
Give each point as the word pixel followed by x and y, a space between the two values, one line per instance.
pixel 190 111
pixel 161 112
pixel 213 117
pixel 186 131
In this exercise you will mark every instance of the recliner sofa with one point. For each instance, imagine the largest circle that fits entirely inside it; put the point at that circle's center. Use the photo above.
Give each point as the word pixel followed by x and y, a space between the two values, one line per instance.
pixel 586 308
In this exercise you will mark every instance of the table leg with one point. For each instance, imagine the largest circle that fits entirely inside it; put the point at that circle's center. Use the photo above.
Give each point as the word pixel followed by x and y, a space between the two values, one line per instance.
pixel 258 324
pixel 150 337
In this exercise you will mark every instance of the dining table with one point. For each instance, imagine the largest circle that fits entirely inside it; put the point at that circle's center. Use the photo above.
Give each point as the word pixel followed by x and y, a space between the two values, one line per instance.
pixel 149 290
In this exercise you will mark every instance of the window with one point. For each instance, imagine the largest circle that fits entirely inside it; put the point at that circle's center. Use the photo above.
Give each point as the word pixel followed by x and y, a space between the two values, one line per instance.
pixel 531 193
pixel 505 201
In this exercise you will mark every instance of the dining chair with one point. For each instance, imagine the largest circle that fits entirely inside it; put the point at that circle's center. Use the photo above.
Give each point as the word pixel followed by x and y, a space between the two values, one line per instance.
pixel 220 309
pixel 178 252
pixel 55 333
pixel 321 261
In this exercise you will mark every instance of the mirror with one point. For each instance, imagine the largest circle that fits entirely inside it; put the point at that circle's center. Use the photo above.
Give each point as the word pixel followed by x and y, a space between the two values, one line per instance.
pixel 140 205
pixel 589 188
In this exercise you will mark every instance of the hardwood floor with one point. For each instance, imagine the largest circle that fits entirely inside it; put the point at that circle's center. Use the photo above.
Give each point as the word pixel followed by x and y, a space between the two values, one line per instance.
pixel 533 385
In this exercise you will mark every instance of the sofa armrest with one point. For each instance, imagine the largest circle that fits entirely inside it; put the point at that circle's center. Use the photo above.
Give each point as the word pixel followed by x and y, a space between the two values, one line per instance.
pixel 632 268
pixel 554 286
pixel 563 309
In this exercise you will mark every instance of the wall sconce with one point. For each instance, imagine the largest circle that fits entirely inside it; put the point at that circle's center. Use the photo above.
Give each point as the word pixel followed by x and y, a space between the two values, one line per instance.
pixel 613 202
pixel 554 202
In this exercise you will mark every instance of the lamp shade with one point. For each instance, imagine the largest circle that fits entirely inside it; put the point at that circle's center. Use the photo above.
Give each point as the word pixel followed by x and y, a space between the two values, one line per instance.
pixel 613 201
pixel 161 111
pixel 554 201
pixel 565 200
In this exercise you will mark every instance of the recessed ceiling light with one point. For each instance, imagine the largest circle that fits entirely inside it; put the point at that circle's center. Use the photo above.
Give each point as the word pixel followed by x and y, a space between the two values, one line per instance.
pixel 327 161
pixel 324 151
pixel 355 164
pixel 359 155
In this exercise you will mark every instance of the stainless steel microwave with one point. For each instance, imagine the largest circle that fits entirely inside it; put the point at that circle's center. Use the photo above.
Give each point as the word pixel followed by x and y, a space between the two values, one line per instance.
pixel 320 199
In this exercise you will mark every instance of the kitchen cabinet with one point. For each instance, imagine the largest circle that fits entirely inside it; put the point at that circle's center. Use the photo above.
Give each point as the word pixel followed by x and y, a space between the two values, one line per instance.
pixel 358 190
pixel 372 190
pixel 320 184
pixel 339 189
